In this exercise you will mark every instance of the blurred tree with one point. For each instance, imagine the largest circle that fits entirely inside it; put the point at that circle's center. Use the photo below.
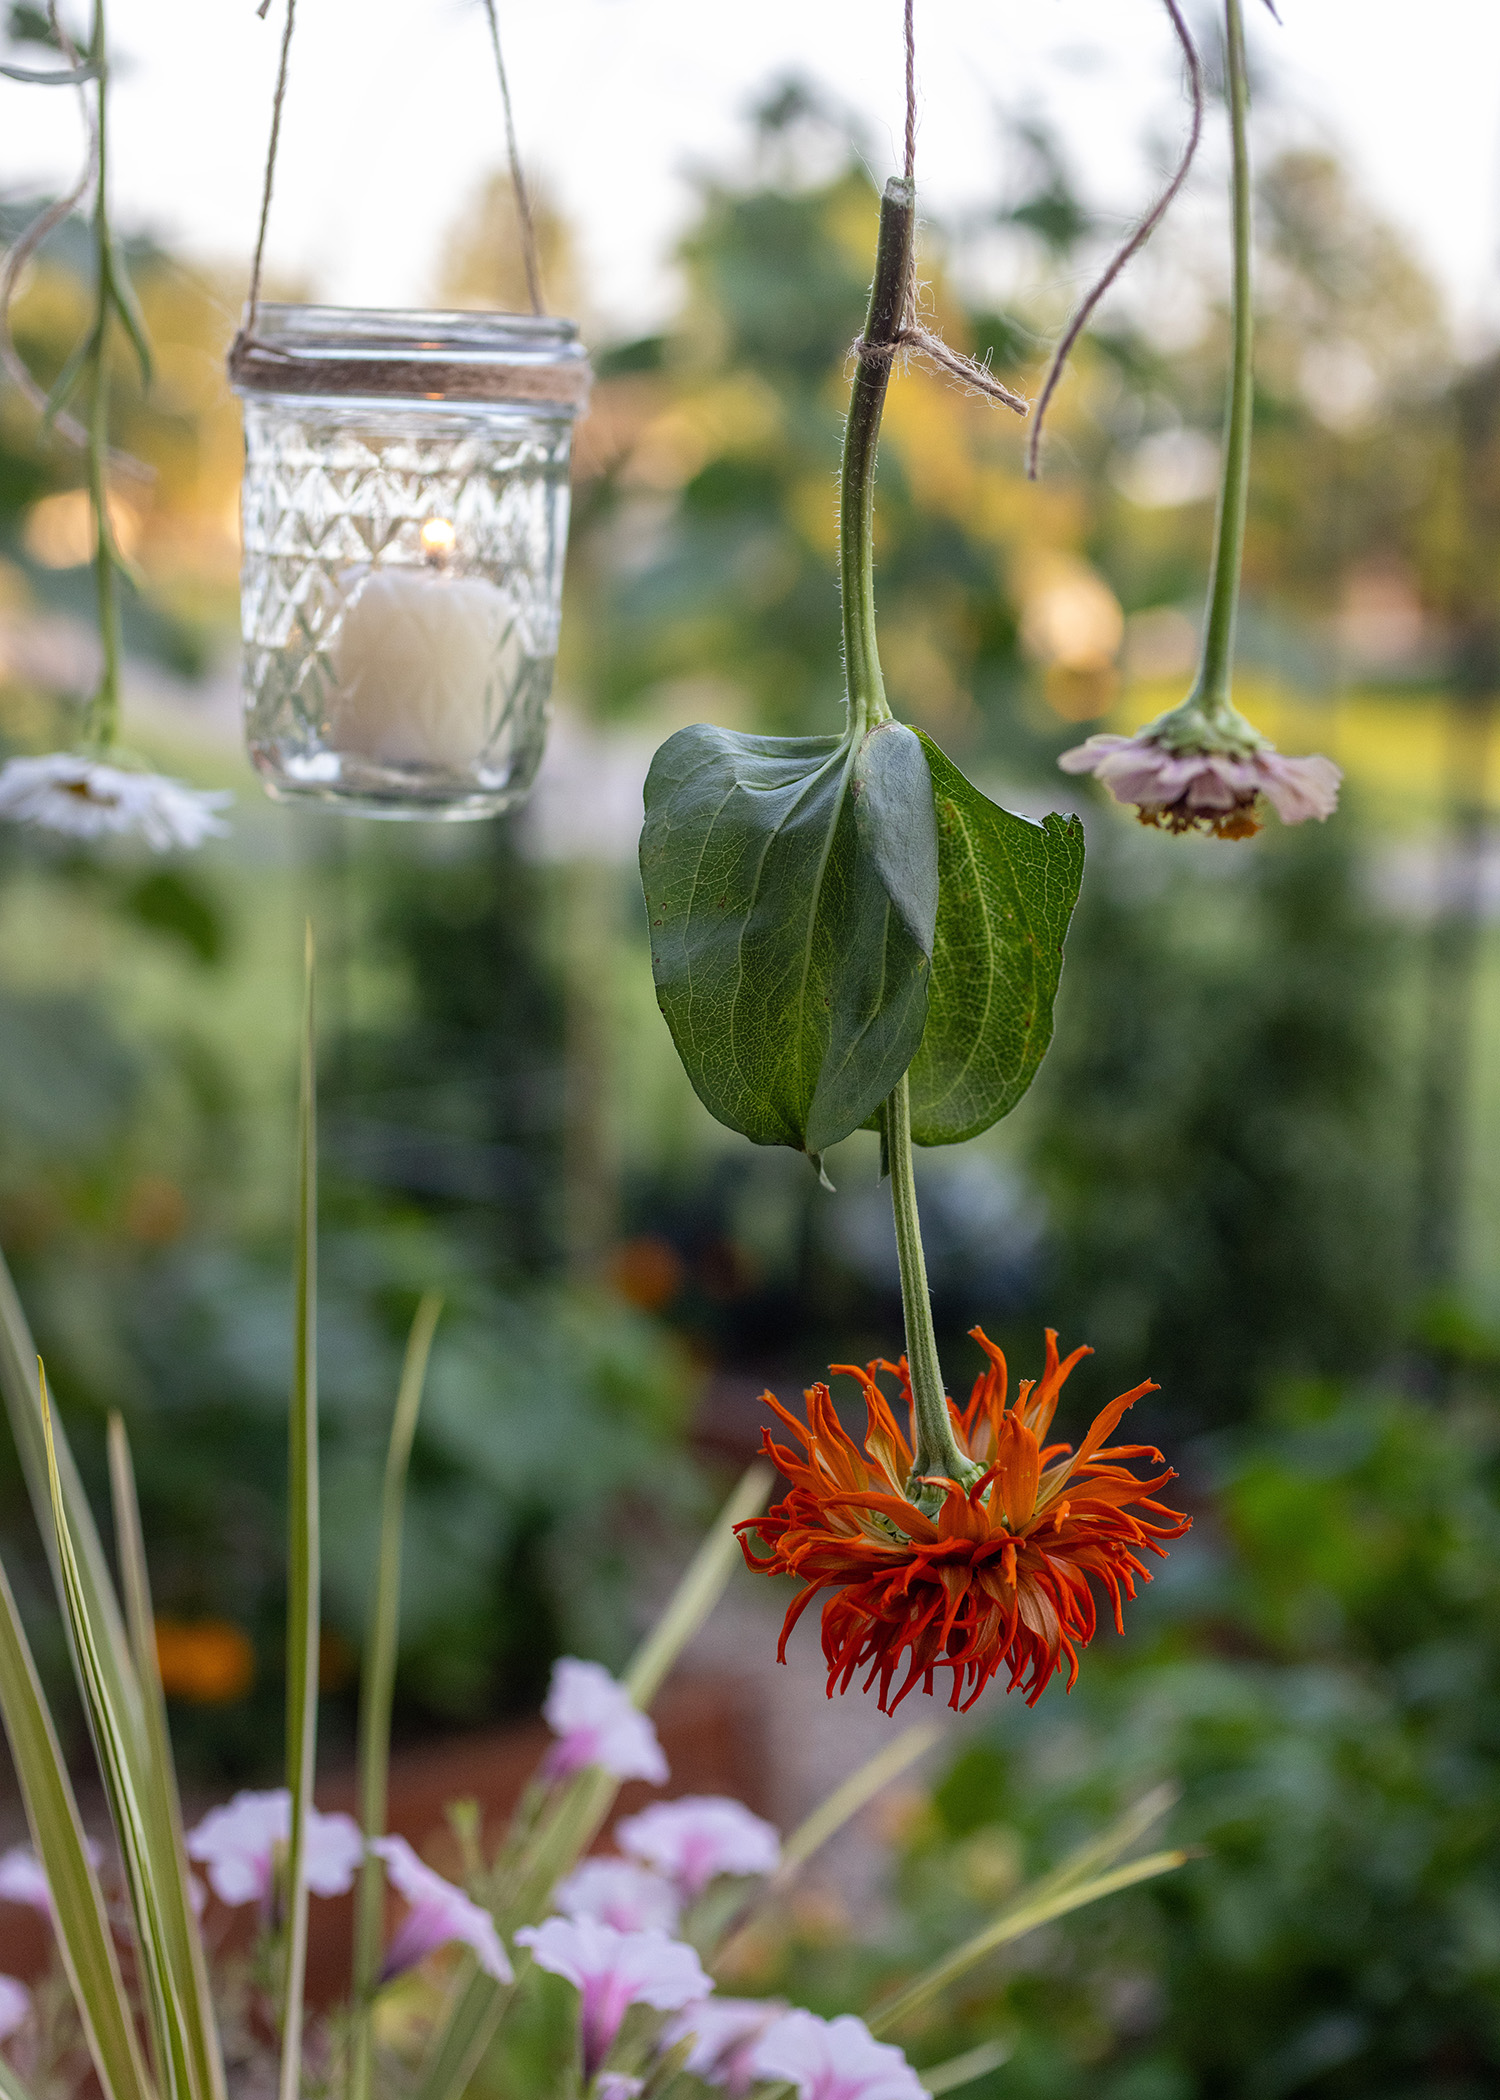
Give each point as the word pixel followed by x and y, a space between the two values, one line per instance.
pixel 1219 1126
pixel 481 264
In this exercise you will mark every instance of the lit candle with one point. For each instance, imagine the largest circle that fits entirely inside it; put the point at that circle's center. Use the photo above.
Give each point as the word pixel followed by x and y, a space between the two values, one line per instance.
pixel 415 662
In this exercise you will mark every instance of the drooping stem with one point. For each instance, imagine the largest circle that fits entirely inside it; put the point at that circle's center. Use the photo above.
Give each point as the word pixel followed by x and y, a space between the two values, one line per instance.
pixel 937 1448
pixel 1212 690
pixel 101 727
pixel 867 703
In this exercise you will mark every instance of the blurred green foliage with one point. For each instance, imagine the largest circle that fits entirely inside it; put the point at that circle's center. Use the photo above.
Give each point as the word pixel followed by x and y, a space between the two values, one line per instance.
pixel 1318 1671
pixel 1222 1126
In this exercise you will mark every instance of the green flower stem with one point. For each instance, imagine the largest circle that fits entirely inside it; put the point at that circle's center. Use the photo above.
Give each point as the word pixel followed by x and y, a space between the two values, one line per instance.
pixel 867 702
pixel 102 724
pixel 1211 693
pixel 937 1448
pixel 937 1451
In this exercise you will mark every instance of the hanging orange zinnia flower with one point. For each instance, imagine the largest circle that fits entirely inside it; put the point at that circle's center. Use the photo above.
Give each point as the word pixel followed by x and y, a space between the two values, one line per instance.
pixel 1000 1573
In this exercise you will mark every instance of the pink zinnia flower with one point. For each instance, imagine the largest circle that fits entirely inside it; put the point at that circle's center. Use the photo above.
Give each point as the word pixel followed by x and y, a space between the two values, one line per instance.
pixel 1207 789
pixel 438 1913
pixel 238 1845
pixel 15 2004
pixel 726 2033
pixel 692 1840
pixel 835 2060
pixel 618 1892
pixel 613 1971
pixel 598 1723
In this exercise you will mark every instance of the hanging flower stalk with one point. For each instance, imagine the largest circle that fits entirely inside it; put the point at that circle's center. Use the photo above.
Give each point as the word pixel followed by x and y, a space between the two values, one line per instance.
pixel 1202 766
pixel 97 789
pixel 845 931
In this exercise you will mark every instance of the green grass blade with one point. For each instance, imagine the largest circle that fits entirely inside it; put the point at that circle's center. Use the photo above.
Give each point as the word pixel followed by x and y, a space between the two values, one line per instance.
pixel 963 2070
pixel 847 1800
pixel 477 2002
pixel 162 1804
pixel 700 1588
pixel 1025 1916
pixel 378 1688
pixel 11 2087
pixel 83 1934
pixel 21 1386
pixel 1098 1853
pixel 165 2019
pixel 303 1575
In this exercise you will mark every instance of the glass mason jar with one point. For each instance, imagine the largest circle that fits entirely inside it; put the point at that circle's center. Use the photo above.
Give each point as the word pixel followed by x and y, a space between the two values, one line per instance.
pixel 405 521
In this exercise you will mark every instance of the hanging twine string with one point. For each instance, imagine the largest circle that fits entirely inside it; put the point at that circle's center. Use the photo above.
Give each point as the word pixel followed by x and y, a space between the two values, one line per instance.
pixel 248 354
pixel 913 335
pixel 517 179
pixel 252 303
pixel 1132 246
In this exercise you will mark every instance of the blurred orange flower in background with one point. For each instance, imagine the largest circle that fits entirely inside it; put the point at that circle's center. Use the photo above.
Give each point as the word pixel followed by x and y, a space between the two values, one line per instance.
pixel 1001 1574
pixel 208 1662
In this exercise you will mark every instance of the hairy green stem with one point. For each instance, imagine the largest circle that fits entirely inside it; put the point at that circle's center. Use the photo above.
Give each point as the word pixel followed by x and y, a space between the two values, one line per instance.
pixel 937 1448
pixel 102 724
pixel 867 702
pixel 1211 692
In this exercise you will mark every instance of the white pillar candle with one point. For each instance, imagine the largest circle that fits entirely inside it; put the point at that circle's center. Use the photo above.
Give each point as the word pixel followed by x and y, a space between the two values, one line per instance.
pixel 415 661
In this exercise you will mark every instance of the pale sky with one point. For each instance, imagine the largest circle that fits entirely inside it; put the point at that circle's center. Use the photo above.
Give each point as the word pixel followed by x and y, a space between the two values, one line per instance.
pixel 393 115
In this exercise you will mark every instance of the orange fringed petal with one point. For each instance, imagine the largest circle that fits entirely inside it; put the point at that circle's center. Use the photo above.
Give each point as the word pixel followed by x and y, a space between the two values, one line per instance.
pixel 1002 1577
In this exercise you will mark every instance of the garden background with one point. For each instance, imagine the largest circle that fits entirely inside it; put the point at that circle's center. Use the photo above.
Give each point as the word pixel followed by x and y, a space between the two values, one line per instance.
pixel 1262 1164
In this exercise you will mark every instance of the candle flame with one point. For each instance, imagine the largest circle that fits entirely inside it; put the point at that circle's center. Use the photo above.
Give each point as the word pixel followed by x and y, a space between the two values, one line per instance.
pixel 438 538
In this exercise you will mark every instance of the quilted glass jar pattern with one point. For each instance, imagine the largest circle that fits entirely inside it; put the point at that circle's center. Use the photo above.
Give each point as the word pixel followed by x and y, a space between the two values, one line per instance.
pixel 405 515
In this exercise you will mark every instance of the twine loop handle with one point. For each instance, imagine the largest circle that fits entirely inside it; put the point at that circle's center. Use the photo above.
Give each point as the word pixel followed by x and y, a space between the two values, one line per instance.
pixel 258 366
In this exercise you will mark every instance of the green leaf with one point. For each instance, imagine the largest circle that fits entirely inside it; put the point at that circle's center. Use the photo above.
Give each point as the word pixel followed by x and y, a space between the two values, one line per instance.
pixel 128 307
pixel 166 2020
pixel 791 887
pixel 1006 892
pixel 160 1800
pixel 303 1563
pixel 67 382
pixel 83 1933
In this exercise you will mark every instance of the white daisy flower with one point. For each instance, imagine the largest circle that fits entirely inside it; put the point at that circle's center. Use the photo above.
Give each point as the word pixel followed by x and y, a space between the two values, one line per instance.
pixel 85 799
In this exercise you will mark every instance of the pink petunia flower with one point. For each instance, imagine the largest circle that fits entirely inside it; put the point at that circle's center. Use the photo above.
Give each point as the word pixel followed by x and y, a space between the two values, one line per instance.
pixel 238 1845
pixel 618 1892
pixel 692 1840
pixel 15 2004
pixel 614 2085
pixel 22 1879
pixel 597 1723
pixel 835 2060
pixel 613 1971
pixel 726 2033
pixel 438 1913
pixel 1186 788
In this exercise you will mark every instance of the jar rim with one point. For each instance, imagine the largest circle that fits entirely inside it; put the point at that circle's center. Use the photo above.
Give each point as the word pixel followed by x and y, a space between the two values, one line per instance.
pixel 427 355
pixel 411 332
